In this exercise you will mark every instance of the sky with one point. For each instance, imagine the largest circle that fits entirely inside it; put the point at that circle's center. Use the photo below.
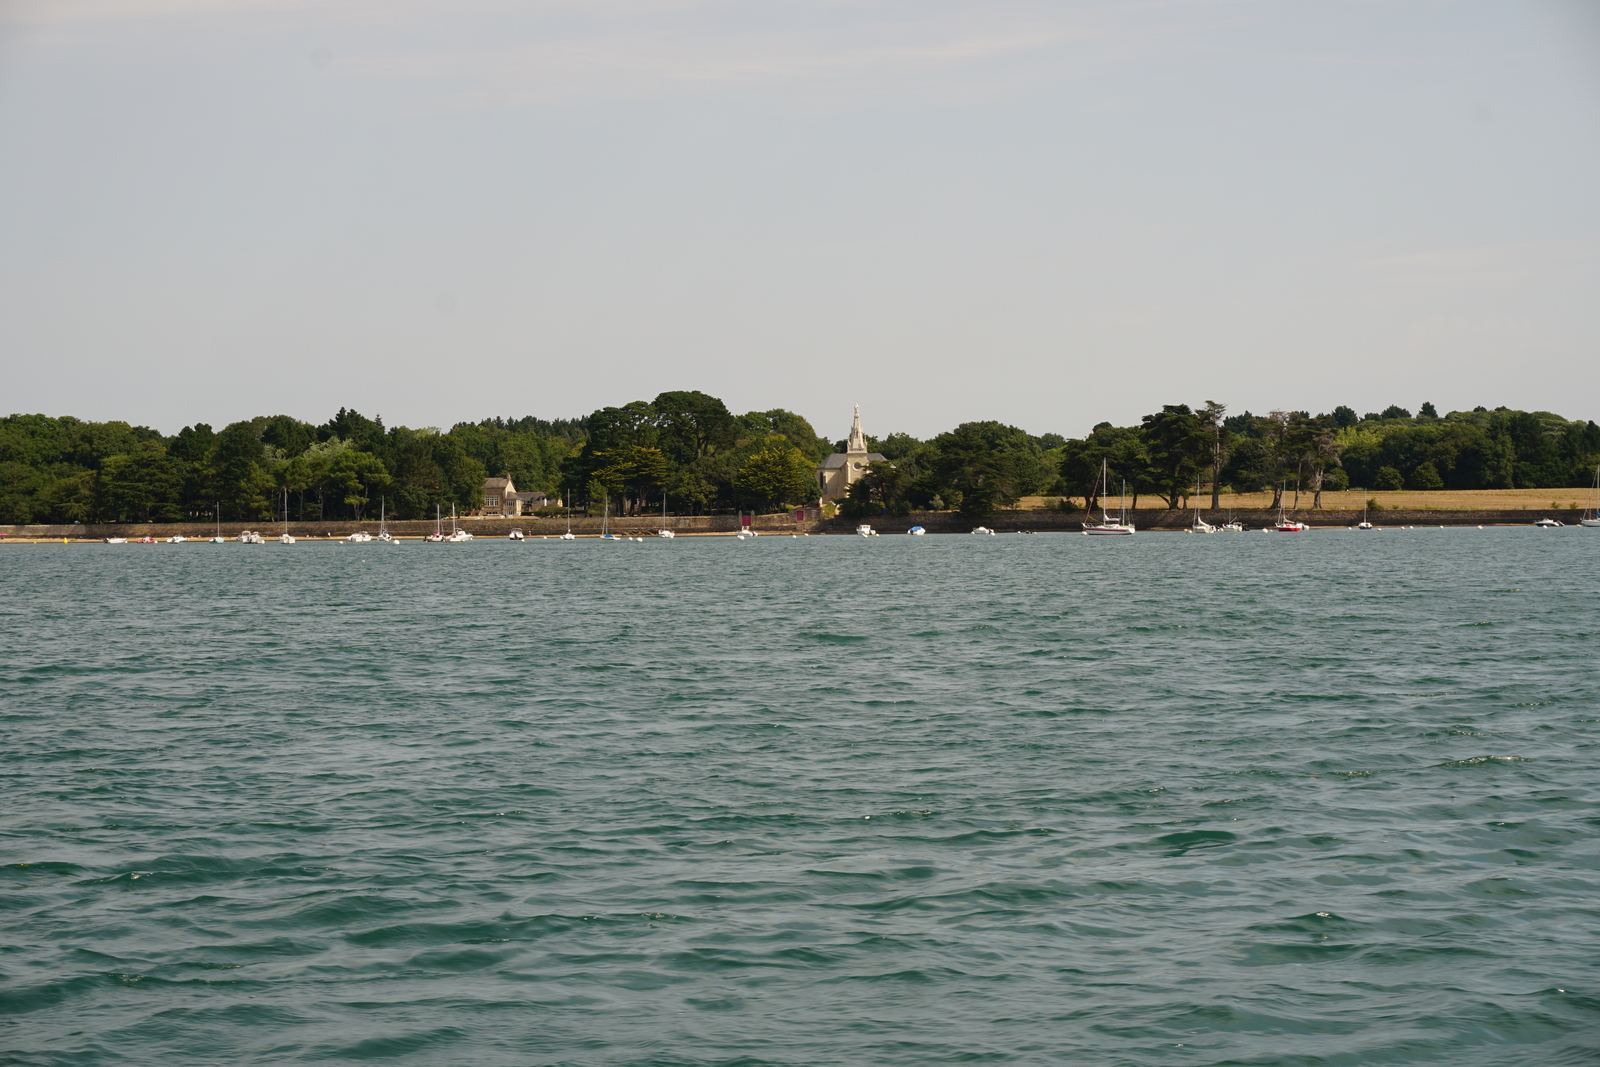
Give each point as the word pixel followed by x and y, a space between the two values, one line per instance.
pixel 1050 213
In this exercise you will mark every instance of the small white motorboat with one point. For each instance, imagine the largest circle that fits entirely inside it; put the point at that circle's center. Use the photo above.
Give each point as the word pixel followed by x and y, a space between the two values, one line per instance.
pixel 983 531
pixel 916 531
pixel 360 537
pixel 1549 524
pixel 116 540
pixel 249 537
pixel 515 535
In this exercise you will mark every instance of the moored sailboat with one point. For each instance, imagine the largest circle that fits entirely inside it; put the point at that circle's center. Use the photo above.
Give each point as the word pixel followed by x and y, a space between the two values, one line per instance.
pixel 285 538
pixel 1591 514
pixel 1200 525
pixel 457 534
pixel 1364 524
pixel 1107 525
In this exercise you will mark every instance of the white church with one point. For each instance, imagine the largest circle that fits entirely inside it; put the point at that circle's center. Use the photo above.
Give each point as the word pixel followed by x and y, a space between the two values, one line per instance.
pixel 837 473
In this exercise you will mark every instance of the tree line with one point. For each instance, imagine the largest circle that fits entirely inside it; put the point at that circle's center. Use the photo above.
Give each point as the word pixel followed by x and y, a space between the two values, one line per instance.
pixel 687 448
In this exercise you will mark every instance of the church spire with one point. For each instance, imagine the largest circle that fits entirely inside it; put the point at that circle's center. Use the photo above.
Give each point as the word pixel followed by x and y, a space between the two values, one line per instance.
pixel 858 440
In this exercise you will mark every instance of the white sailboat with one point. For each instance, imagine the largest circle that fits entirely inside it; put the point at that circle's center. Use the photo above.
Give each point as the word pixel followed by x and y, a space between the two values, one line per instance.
pixel 1200 526
pixel 1106 526
pixel 284 538
pixel 664 532
pixel 457 534
pixel 1591 514
pixel 217 538
pixel 383 524
pixel 569 535
pixel 1286 524
pixel 1364 524
pixel 437 536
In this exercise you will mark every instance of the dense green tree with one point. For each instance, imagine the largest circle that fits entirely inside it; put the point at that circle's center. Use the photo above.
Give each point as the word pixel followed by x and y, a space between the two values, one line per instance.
pixel 1426 476
pixel 778 474
pixel 882 489
pixel 357 477
pixel 990 464
pixel 1388 479
pixel 690 424
pixel 290 436
pixel 759 425
pixel 242 484
pixel 141 486
pixel 1179 444
pixel 18 484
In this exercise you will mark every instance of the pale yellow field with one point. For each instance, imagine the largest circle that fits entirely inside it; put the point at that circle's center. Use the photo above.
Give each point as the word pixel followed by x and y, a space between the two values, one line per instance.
pixel 1443 499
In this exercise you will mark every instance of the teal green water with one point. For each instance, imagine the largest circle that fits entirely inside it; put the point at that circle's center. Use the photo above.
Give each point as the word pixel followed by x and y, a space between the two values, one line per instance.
pixel 1167 800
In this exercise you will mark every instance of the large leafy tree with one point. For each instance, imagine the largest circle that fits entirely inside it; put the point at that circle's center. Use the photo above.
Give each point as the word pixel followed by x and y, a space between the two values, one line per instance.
pixel 357 476
pixel 692 424
pixel 759 425
pixel 141 486
pixel 242 483
pixel 637 472
pixel 779 473
pixel 1179 443
pixel 990 464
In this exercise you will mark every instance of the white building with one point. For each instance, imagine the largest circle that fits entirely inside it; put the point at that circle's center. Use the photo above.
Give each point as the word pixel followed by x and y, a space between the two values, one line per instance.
pixel 840 471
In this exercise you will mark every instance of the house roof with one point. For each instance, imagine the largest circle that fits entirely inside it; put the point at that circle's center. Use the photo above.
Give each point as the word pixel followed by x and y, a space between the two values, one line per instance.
pixel 839 459
pixel 496 483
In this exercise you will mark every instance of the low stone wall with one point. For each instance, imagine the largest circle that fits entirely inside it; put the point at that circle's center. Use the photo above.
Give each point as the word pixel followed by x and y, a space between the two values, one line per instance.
pixel 1038 521
pixel 1161 519
pixel 635 526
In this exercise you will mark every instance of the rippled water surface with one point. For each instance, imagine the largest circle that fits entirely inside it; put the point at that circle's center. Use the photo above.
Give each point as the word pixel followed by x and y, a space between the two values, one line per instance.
pixel 1243 799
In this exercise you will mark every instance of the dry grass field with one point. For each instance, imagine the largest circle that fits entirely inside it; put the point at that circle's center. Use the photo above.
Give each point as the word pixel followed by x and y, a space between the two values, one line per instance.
pixel 1442 500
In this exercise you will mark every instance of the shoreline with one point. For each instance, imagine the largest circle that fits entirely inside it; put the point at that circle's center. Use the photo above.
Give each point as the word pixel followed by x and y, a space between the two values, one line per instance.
pixel 1035 521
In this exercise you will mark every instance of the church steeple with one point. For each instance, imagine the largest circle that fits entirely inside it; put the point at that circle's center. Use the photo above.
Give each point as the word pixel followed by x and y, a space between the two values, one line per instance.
pixel 858 440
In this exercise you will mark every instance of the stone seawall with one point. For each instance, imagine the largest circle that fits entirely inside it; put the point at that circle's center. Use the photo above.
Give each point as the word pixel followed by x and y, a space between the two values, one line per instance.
pixel 1160 519
pixel 692 525
pixel 633 526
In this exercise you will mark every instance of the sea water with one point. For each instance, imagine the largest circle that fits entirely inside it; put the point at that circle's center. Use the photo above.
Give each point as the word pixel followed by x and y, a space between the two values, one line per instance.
pixel 1326 798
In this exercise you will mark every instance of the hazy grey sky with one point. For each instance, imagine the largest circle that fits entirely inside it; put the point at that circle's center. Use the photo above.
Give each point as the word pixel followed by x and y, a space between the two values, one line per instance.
pixel 1043 213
